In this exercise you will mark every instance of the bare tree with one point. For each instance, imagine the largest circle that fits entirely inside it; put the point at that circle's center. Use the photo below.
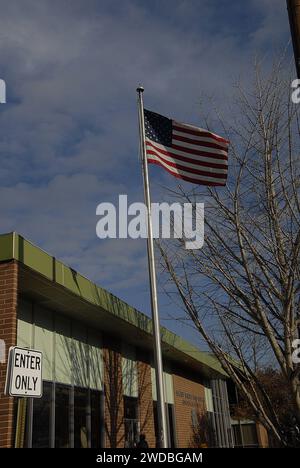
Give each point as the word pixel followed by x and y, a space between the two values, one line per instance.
pixel 241 290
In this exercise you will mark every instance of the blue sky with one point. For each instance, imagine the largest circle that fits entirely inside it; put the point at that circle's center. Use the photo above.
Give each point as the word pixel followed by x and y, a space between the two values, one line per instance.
pixel 68 133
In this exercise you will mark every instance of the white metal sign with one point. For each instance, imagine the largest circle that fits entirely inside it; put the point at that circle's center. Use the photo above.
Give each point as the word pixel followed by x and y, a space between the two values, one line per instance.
pixel 24 373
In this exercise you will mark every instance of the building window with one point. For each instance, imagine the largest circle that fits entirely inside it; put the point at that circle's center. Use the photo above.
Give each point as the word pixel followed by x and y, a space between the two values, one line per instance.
pixel 170 422
pixel 237 434
pixel 129 371
pixel 130 408
pixel 131 425
pixel 250 435
pixel 221 415
pixel 73 417
pixel 245 435
pixel 96 419
pixel 41 418
pixel 80 418
pixel 62 416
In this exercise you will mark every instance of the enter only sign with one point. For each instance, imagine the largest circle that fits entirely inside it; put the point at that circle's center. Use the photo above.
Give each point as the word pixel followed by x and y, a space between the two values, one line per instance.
pixel 24 373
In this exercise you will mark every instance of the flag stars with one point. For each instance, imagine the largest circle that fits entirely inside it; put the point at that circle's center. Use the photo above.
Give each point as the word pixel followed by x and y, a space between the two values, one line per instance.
pixel 158 128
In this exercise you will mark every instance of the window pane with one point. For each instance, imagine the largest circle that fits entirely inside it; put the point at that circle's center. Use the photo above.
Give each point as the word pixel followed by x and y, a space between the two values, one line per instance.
pixel 129 371
pixel 41 418
pixel 62 439
pixel 130 408
pixel 249 434
pixel 96 419
pixel 237 435
pixel 171 425
pixel 130 421
pixel 131 433
pixel 80 418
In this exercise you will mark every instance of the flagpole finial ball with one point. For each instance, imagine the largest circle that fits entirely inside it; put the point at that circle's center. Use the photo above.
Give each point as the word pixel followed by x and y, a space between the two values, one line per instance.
pixel 140 89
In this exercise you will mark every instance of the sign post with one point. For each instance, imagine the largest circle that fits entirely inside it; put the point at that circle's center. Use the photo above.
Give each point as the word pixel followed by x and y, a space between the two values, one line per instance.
pixel 23 380
pixel 21 423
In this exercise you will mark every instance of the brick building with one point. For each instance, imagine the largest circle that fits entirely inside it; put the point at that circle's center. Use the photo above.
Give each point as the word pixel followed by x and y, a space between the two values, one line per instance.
pixel 98 376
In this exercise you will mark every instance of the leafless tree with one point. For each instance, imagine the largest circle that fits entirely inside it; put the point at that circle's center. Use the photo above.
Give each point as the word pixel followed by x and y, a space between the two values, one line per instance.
pixel 241 290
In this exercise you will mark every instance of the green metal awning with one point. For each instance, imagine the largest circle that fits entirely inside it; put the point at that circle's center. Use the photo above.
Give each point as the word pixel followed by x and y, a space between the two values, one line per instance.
pixel 59 287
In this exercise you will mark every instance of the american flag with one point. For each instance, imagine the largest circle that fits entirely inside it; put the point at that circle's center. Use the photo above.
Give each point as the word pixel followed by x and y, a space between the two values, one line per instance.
pixel 187 152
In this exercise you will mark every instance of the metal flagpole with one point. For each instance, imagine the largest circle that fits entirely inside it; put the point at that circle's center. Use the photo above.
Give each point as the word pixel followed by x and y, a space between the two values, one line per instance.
pixel 161 409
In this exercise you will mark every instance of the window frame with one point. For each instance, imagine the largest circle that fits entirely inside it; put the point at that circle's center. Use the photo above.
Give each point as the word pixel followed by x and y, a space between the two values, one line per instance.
pixel 28 440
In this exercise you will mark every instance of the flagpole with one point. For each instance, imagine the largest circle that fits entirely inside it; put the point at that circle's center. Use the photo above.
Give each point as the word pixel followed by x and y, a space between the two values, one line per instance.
pixel 161 409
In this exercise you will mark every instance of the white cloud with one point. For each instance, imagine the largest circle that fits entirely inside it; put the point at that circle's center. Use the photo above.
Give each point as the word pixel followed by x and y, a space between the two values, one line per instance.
pixel 69 135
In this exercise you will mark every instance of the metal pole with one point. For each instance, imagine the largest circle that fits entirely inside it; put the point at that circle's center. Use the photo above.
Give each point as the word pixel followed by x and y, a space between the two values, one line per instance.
pixel 21 423
pixel 161 409
pixel 30 422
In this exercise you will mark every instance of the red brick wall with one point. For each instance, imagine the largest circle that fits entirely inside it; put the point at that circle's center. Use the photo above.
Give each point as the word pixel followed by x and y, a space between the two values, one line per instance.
pixel 188 395
pixel 146 416
pixel 8 333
